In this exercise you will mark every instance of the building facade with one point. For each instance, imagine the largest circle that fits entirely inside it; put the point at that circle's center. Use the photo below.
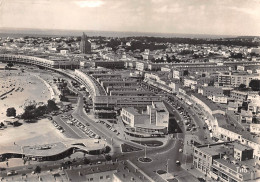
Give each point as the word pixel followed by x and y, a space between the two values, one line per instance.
pixel 85 45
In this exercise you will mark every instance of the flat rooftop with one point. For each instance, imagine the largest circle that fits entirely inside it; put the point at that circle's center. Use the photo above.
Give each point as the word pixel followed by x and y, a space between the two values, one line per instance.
pixel 159 106
pixel 241 147
pixel 221 119
pixel 132 110
pixel 214 149
pixel 213 106
pixel 154 127
pixel 248 163
pixel 51 149
pixel 245 134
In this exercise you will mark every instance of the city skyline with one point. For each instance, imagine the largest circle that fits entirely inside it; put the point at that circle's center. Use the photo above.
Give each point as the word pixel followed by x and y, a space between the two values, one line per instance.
pixel 233 17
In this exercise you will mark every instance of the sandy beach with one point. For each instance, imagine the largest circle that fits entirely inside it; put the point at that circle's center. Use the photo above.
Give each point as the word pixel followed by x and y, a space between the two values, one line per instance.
pixel 18 89
pixel 26 88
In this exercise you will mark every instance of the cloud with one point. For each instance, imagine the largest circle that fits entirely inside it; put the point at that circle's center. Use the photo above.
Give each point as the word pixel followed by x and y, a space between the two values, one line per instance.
pixel 89 3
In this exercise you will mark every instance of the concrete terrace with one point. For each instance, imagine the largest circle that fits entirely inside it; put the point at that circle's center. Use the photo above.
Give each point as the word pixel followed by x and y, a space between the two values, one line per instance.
pixel 52 149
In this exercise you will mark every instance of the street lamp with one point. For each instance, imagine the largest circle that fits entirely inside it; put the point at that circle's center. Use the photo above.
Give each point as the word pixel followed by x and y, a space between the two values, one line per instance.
pixel 167 165
pixel 145 151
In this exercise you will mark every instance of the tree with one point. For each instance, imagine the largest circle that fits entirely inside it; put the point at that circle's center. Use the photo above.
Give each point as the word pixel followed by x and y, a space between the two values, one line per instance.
pixel 29 112
pixel 37 169
pixel 108 157
pixel 11 112
pixel 242 86
pixel 52 106
pixel 255 85
pixel 40 111
pixel 185 73
pixel 10 64
pixel 86 161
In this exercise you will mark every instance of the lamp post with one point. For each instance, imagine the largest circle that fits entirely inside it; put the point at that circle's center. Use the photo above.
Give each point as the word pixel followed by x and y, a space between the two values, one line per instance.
pixel 167 165
pixel 145 151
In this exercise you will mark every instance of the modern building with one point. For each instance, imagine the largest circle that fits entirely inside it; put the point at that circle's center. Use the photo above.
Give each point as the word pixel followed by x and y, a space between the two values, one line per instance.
pixel 227 161
pixel 238 95
pixel 53 151
pixel 236 78
pixel 110 64
pixel 85 45
pixel 141 66
pixel 155 119
pixel 109 102
pixel 219 99
pixel 188 82
pixel 235 133
pixel 52 63
pixel 243 78
pixel 115 172
pixel 159 114
pixel 210 91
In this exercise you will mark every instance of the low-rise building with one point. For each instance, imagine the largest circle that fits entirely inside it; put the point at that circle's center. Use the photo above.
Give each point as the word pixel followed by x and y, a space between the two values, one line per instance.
pixel 188 82
pixel 226 162
pixel 210 91
pixel 238 95
pixel 219 99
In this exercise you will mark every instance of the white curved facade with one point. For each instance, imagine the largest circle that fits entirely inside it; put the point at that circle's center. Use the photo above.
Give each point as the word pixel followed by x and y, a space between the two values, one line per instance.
pixel 55 64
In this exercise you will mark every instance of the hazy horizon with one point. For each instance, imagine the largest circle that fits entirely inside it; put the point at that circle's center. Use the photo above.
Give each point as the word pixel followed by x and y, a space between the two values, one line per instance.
pixel 215 17
pixel 64 32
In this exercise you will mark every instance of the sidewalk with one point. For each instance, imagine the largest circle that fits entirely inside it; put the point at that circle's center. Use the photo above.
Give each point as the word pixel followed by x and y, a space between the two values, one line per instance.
pixel 196 173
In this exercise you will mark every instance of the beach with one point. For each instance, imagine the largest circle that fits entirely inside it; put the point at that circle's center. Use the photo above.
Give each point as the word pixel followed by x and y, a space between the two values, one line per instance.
pixel 25 88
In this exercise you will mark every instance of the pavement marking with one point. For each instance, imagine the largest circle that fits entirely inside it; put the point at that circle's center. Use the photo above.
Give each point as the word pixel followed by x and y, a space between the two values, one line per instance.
pixel 70 128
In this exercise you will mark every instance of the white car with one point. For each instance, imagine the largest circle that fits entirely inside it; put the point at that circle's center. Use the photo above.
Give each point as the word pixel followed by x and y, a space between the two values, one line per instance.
pixel 178 162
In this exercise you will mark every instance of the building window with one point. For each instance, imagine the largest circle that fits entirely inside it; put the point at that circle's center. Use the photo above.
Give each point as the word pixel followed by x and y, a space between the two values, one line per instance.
pixel 91 179
pixel 107 176
pixel 101 177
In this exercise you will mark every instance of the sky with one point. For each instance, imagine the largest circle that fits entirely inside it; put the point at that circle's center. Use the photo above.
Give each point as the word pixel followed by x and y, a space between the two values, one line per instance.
pixel 215 17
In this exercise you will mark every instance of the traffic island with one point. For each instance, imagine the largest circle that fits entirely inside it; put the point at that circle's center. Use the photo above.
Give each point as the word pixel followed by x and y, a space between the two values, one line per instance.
pixel 160 172
pixel 149 143
pixel 129 148
pixel 145 159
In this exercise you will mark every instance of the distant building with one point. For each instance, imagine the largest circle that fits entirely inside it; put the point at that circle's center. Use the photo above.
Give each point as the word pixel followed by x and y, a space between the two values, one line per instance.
pixel 85 45
pixel 110 64
pixel 188 82
pixel 64 51
pixel 210 91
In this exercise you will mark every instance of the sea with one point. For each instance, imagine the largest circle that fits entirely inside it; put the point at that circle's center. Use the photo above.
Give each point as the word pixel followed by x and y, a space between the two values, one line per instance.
pixel 16 33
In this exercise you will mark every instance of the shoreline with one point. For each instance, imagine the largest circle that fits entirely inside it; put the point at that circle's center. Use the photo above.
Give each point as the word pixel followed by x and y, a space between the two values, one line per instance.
pixel 30 88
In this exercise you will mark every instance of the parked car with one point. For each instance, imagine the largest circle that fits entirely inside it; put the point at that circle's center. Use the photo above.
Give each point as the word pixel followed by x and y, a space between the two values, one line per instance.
pixel 12 172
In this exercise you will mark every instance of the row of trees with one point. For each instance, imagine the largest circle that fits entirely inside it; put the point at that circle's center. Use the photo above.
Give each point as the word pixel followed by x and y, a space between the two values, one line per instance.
pixel 32 112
